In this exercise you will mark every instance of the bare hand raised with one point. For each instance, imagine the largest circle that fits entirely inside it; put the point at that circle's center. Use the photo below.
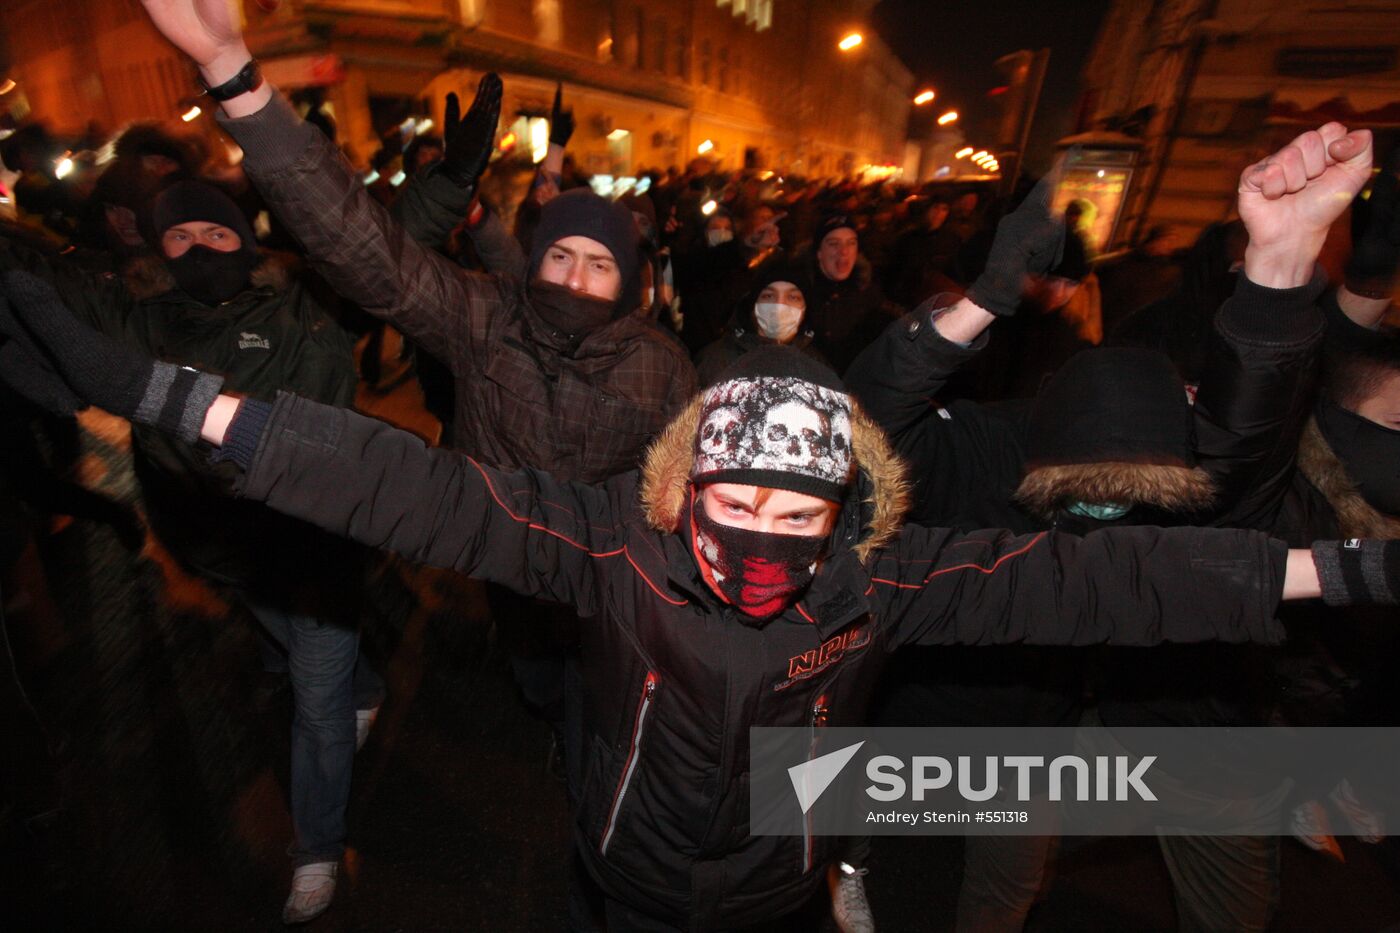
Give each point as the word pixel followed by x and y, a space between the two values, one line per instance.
pixel 205 30
pixel 1289 200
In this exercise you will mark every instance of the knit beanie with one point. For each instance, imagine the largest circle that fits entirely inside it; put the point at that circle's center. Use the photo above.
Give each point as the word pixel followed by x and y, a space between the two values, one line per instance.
pixel 192 201
pixel 776 418
pixel 580 212
pixel 833 221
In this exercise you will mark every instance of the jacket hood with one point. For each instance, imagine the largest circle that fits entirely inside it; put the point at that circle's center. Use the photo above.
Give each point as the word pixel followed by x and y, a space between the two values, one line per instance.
pixel 1176 489
pixel 1323 468
pixel 1113 425
pixel 148 276
pixel 881 491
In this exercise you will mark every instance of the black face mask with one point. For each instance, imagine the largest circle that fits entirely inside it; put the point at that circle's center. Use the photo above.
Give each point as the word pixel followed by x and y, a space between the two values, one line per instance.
pixel 1369 453
pixel 761 573
pixel 212 277
pixel 571 313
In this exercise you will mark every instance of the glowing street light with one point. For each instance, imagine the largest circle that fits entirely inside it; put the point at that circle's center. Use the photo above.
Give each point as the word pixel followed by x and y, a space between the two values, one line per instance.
pixel 708 207
pixel 7 85
pixel 63 167
pixel 191 114
pixel 704 147
pixel 850 42
pixel 923 98
pixel 950 117
pixel 980 155
pixel 963 153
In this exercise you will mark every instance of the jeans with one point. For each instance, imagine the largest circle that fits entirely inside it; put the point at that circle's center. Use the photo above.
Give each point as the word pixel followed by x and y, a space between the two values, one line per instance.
pixel 321 659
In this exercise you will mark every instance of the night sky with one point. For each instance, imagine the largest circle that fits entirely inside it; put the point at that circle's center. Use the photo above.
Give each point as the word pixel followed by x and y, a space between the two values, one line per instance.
pixel 951 47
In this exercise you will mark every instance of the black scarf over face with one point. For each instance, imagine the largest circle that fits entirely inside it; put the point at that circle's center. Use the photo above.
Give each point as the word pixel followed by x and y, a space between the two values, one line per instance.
pixel 572 313
pixel 761 573
pixel 212 277
pixel 1369 452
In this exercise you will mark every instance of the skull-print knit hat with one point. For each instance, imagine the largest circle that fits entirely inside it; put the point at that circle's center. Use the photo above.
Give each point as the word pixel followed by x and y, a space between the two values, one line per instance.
pixel 776 418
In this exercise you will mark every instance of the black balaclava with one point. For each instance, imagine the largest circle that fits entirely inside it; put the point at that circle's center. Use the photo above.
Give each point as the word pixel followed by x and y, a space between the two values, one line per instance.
pixel 778 419
pixel 580 212
pixel 207 275
pixel 1369 453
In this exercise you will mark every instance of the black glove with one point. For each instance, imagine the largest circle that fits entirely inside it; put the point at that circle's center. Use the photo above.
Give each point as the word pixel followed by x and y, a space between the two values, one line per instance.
pixel 1375 239
pixel 1028 240
pixel 468 140
pixel 1358 571
pixel 561 121
pixel 93 367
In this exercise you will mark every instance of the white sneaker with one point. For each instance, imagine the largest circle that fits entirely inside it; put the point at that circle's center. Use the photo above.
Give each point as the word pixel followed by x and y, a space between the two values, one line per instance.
pixel 313 886
pixel 364 721
pixel 849 906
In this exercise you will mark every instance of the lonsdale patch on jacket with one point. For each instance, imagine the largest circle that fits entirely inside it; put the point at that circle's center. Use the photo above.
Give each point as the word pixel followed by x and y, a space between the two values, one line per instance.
pixel 247 341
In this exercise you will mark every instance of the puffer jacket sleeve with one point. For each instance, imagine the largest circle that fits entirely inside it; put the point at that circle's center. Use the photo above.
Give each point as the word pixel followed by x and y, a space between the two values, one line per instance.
pixel 364 480
pixel 351 240
pixel 1256 390
pixel 901 370
pixel 1128 586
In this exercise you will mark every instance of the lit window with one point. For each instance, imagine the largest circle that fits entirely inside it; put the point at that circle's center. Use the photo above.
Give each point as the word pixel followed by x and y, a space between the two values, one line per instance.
pixel 548 28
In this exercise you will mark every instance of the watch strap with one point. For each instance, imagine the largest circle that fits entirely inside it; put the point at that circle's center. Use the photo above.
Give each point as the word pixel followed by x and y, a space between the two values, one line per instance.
pixel 247 79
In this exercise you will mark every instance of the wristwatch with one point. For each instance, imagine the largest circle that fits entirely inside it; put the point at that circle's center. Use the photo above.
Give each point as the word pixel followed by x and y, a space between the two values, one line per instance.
pixel 247 79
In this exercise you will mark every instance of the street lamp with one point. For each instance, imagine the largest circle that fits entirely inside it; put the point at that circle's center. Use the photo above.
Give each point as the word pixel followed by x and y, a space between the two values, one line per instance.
pixel 963 153
pixel 923 98
pixel 704 147
pixel 949 117
pixel 851 41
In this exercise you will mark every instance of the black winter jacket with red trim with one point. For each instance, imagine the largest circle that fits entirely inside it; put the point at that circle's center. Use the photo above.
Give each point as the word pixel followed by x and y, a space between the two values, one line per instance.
pixel 674 682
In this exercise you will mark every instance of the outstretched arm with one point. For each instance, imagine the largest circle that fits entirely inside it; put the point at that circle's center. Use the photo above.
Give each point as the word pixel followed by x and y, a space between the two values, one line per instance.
pixel 351 475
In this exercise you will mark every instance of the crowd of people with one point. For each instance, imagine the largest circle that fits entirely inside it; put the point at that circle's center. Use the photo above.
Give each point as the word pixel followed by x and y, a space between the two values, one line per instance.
pixel 698 429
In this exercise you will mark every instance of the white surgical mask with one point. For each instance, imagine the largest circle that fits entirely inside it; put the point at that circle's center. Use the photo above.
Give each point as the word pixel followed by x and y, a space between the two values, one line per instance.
pixel 718 236
pixel 777 321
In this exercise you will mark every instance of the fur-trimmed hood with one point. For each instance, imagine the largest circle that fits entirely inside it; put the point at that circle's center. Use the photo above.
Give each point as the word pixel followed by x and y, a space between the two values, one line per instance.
pixel 1356 518
pixel 147 276
pixel 880 494
pixel 1177 489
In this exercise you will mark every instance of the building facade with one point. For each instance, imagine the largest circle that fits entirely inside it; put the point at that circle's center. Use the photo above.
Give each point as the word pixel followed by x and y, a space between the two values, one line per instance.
pixel 745 82
pixel 1193 91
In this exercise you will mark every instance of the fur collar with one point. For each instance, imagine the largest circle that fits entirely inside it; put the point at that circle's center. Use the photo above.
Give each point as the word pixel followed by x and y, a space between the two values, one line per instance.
pixel 147 276
pixel 1355 516
pixel 666 477
pixel 1173 488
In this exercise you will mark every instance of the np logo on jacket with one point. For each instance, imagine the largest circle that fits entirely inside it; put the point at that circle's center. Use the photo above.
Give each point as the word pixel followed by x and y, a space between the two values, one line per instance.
pixel 817 660
pixel 247 341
